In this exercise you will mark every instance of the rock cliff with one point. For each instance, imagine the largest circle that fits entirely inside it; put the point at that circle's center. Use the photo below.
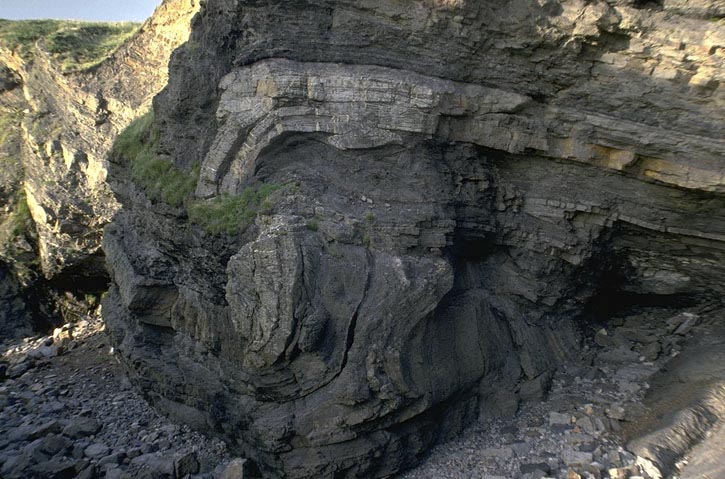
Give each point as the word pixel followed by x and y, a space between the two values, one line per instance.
pixel 456 188
pixel 60 127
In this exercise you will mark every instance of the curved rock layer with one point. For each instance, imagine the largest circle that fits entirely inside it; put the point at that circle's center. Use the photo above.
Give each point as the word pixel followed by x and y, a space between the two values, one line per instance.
pixel 462 183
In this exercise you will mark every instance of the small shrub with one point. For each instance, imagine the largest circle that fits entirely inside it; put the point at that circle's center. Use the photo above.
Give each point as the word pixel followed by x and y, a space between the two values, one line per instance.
pixel 231 214
pixel 370 217
pixel 312 225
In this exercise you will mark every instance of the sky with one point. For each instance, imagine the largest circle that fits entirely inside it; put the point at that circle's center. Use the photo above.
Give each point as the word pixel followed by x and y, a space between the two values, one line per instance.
pixel 106 10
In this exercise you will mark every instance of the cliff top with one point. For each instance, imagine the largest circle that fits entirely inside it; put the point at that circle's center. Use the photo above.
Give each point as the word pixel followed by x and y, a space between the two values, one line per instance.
pixel 75 45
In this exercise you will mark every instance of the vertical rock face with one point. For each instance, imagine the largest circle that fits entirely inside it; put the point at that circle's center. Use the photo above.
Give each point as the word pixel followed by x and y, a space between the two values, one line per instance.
pixel 461 183
pixel 58 130
pixel 16 232
pixel 73 120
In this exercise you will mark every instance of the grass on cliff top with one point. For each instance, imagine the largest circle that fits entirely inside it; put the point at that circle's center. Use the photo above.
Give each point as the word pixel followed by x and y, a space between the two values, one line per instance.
pixel 74 45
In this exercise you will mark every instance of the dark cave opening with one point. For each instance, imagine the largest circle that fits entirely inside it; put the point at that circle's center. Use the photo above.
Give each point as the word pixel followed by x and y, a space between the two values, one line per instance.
pixel 611 299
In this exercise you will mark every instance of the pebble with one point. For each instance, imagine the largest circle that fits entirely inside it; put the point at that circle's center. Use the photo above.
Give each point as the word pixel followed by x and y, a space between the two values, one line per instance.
pixel 96 450
pixel 72 414
pixel 556 418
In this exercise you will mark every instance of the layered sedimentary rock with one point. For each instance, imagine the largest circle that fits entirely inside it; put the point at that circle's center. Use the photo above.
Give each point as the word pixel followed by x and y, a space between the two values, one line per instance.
pixel 71 120
pixel 58 128
pixel 461 183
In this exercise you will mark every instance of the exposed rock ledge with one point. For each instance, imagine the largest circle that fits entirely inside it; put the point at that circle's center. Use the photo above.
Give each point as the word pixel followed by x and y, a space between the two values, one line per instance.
pixel 467 181
pixel 365 106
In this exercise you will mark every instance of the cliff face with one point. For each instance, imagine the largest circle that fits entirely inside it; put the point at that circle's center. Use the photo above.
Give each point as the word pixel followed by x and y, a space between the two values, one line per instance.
pixel 16 232
pixel 458 186
pixel 73 121
pixel 62 139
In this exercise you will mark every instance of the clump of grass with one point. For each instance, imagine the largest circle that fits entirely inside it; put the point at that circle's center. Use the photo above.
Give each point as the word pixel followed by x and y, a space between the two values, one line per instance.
pixel 163 181
pixel 160 178
pixel 312 225
pixel 16 234
pixel 16 224
pixel 136 138
pixel 231 214
pixel 20 219
pixel 75 45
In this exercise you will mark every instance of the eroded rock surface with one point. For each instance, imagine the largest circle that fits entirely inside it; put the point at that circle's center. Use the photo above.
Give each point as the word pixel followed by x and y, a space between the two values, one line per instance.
pixel 58 128
pixel 462 183
pixel 71 125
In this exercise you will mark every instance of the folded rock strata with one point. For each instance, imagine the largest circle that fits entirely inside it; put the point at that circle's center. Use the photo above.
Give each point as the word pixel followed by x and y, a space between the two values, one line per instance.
pixel 464 182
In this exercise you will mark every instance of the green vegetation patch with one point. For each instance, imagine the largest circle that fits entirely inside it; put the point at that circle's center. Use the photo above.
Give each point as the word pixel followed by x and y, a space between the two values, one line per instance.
pixel 87 45
pixel 20 220
pixel 17 223
pixel 74 45
pixel 163 181
pixel 16 239
pixel 312 225
pixel 160 178
pixel 21 36
pixel 230 214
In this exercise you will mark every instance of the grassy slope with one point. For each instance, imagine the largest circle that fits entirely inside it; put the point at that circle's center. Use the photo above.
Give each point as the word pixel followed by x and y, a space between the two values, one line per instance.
pixel 74 45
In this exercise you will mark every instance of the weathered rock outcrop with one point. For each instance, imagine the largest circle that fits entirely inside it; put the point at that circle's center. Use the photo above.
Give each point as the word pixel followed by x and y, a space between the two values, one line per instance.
pixel 61 142
pixel 69 131
pixel 463 183
pixel 16 231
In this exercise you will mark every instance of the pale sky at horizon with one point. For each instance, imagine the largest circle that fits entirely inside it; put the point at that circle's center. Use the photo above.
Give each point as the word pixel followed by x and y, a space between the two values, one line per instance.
pixel 100 10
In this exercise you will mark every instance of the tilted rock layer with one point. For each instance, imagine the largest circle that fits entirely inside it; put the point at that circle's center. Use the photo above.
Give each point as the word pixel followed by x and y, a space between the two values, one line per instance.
pixel 463 183
pixel 57 130
pixel 70 122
